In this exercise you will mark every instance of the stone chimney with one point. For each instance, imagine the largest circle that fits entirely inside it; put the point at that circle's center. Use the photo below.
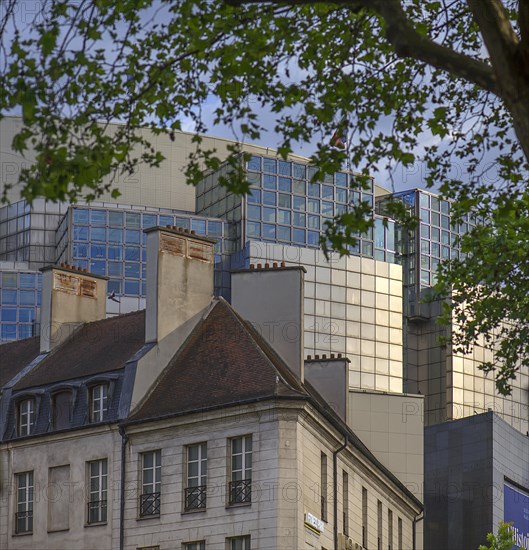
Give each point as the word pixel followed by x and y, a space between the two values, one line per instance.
pixel 330 377
pixel 271 298
pixel 179 279
pixel 70 297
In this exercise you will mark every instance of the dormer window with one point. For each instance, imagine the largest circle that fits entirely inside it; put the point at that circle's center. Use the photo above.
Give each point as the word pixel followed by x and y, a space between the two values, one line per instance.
pixel 98 403
pixel 62 410
pixel 26 416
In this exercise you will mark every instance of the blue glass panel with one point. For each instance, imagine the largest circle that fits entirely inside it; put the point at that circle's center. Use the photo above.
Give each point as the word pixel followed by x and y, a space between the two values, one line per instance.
pixel 254 179
pixel 269 166
pixel 98 251
pixel 98 234
pixel 132 219
pixel 425 247
pixel 114 252
pixel 8 314
pixel 327 192
pixel 132 253
pixel 424 200
pixel 269 198
pixel 269 215
pixel 445 207
pixel 254 164
pixel 27 280
pixel 298 236
pixel 215 229
pixel 98 267
pixel 253 229
pixel 254 196
pixel 182 222
pixel 313 222
pixel 313 237
pixel 132 236
pixel 132 270
pixel 285 168
pixel 299 204
pixel 341 179
pixel 300 171
pixel 150 220
pixel 283 233
pixel 367 199
pixel 9 297
pixel 299 219
pixel 298 187
pixel 144 254
pixel 199 226
pixel 283 216
pixel 25 331
pixel 83 264
pixel 115 269
pixel 254 212
pixel 445 237
pixel 143 271
pixel 8 332
pixel 341 195
pixel 313 190
pixel 98 217
pixel 80 250
pixel 284 201
pixel 132 288
pixel 144 289
pixel 379 233
pixel 390 236
pixel 285 185
pixel 166 220
pixel 80 215
pixel 436 219
pixel 114 286
pixel 445 222
pixel 9 280
pixel 341 209
pixel 445 252
pixel 436 234
pixel 327 208
pixel 115 219
pixel 269 182
pixel 115 235
pixel 269 231
pixel 26 314
pixel 367 249
pixel 425 214
pixel 80 233
pixel 436 250
pixel 314 206
pixel 354 197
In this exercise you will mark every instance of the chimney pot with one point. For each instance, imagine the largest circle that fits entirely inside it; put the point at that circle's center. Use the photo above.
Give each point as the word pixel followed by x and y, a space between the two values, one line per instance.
pixel 252 266
pixel 283 264
pixel 324 356
pixel 168 227
pixel 267 266
pixel 316 357
pixel 339 356
pixel 275 264
pixel 259 266
pixel 309 357
pixel 193 232
pixel 332 355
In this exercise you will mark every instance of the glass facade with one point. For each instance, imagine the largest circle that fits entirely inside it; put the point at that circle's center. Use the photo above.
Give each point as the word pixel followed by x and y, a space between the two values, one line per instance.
pixel 19 303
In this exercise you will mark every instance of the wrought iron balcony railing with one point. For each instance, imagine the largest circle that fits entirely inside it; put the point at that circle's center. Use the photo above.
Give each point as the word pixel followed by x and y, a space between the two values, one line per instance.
pixel 24 522
pixel 196 498
pixel 150 504
pixel 240 491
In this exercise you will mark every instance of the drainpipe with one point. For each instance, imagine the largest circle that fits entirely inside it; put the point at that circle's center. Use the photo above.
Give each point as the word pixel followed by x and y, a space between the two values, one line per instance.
pixel 416 520
pixel 124 440
pixel 335 488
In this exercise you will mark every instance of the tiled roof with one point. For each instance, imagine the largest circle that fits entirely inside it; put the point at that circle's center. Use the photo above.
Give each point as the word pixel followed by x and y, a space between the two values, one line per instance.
pixel 15 356
pixel 97 347
pixel 223 362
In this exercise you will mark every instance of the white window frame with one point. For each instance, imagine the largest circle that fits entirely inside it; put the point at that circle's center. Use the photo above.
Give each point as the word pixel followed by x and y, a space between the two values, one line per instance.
pixel 98 402
pixel 245 470
pixel 26 416
pixel 24 501
pixel 240 486
pixel 239 543
pixel 100 493
pixel 151 487
pixel 199 481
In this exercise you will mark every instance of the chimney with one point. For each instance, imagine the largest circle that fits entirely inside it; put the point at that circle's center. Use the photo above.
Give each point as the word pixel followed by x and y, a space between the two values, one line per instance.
pixel 272 300
pixel 70 297
pixel 330 377
pixel 179 279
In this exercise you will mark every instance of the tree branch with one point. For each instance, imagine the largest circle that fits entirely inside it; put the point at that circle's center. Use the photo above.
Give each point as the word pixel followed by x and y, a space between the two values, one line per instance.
pixel 523 22
pixel 407 42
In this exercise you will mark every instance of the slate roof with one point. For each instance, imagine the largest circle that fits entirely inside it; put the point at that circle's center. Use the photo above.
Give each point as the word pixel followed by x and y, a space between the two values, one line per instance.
pixel 223 362
pixel 97 347
pixel 15 356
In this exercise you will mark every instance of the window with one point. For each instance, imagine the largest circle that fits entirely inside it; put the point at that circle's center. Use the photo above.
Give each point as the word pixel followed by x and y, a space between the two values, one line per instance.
pixel 24 513
pixel 323 479
pixel 239 543
pixel 151 479
pixel 399 533
pixel 97 491
pixel 197 545
pixel 26 416
pixel 390 530
pixel 240 489
pixel 98 403
pixel 345 503
pixel 62 406
pixel 197 477
pixel 379 525
pixel 364 517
